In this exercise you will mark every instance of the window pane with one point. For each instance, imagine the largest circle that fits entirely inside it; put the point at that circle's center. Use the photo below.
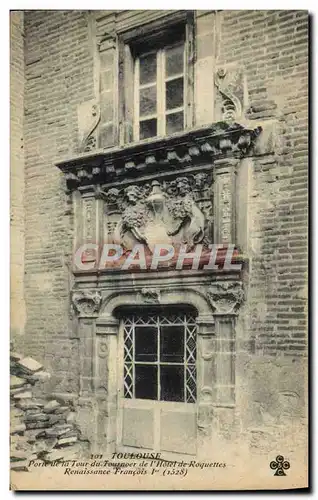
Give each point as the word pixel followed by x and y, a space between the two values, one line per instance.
pixel 147 103
pixel 172 383
pixel 145 343
pixel 174 93
pixel 146 381
pixel 148 68
pixel 174 60
pixel 172 344
pixel 174 122
pixel 148 128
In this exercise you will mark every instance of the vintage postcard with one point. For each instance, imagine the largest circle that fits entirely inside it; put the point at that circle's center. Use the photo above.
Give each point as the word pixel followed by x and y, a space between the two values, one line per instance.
pixel 159 169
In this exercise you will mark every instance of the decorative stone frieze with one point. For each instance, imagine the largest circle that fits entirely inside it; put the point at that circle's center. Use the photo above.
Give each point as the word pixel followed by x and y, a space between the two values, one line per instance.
pixel 86 303
pixel 225 296
pixel 183 151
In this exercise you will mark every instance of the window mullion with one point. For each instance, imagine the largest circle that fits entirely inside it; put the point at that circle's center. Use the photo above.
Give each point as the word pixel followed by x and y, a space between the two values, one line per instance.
pixel 158 360
pixel 185 361
pixel 185 88
pixel 161 93
pixel 134 368
pixel 136 100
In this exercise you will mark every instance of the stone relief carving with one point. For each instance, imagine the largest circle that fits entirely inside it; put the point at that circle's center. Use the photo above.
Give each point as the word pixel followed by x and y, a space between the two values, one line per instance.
pixel 86 303
pixel 88 119
pixel 151 295
pixel 225 297
pixel 177 211
pixel 230 84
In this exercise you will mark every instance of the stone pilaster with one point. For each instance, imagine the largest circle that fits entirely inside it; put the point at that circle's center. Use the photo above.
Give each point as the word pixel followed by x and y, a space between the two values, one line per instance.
pixel 105 383
pixel 205 379
pixel 224 200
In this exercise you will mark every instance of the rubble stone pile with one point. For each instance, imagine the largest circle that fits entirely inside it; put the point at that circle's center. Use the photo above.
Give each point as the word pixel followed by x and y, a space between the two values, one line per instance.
pixel 40 428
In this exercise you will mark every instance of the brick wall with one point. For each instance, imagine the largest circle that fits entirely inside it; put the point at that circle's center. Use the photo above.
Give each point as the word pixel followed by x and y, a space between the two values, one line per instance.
pixel 58 77
pixel 17 172
pixel 272 48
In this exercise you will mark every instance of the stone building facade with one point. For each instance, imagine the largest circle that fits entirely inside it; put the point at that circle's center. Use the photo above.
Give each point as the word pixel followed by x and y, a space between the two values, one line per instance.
pixel 116 117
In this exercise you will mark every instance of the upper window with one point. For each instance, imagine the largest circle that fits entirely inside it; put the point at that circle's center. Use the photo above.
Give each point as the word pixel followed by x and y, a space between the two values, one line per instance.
pixel 156 78
pixel 159 96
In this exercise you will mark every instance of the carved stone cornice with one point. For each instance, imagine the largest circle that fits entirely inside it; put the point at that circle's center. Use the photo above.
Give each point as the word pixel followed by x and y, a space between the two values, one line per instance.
pixel 225 296
pixel 86 303
pixel 180 151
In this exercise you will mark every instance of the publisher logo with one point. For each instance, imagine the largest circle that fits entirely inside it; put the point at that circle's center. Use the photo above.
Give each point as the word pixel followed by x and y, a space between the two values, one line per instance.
pixel 279 465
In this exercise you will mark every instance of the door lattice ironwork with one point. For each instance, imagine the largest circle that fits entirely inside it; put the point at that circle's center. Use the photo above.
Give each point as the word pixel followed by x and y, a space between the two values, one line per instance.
pixel 160 357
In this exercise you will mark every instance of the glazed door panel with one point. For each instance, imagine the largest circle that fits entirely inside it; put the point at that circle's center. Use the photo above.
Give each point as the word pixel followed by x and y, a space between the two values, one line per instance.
pixel 157 384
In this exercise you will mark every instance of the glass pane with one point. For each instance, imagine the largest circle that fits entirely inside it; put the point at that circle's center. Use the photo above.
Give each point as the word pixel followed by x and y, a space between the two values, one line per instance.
pixel 148 68
pixel 174 122
pixel 148 101
pixel 172 344
pixel 174 93
pixel 146 343
pixel 174 60
pixel 148 128
pixel 146 381
pixel 172 383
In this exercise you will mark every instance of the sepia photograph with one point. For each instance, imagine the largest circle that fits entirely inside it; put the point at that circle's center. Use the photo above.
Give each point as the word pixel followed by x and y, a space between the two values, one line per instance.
pixel 159 249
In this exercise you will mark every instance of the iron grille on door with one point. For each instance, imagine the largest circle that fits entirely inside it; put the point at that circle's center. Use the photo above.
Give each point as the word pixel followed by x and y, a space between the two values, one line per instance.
pixel 160 358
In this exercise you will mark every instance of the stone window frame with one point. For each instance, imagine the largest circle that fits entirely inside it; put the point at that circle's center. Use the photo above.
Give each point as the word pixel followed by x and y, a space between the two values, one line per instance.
pixel 158 34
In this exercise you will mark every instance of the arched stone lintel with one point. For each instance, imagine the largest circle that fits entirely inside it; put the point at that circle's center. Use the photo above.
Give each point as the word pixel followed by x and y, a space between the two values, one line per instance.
pixel 135 298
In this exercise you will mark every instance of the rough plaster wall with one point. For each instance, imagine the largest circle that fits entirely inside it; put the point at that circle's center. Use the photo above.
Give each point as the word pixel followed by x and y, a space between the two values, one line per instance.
pixel 17 173
pixel 58 77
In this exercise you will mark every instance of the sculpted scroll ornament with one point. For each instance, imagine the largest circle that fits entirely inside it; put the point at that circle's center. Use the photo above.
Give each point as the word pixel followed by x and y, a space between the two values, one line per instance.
pixel 86 303
pixel 230 84
pixel 225 297
pixel 88 119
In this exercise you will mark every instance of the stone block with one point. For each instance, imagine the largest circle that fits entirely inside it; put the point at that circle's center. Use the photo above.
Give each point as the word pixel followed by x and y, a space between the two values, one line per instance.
pixel 29 365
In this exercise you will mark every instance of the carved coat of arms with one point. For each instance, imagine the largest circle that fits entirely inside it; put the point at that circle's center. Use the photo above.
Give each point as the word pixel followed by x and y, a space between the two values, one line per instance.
pixel 158 219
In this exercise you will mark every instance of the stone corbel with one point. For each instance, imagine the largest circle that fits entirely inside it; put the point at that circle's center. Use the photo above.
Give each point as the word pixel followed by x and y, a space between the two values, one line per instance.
pixel 86 303
pixel 225 297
